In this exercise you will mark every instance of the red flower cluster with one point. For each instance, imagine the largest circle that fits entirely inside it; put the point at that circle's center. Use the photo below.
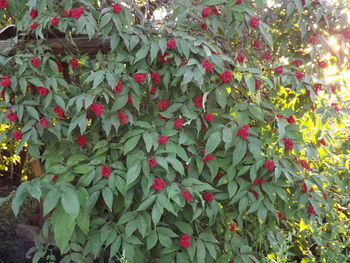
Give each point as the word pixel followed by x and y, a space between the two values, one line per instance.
pixel 316 88
pixel 164 104
pixel 233 227
pixel 280 216
pixel 55 177
pixel 12 116
pixel 281 116
pixel 117 8
pixel 59 111
pixel 162 58
pixel 208 158
pixel 323 142
pixel 155 77
pixel 256 43
pixel 240 57
pixel 123 118
pixel 259 181
pixel 226 77
pixel 59 66
pixel 17 135
pixel 76 12
pixel 3 4
pixel 313 40
pixel 185 241
pixel 291 119
pixel 152 162
pixel 43 91
pixel 54 21
pixel 36 62
pixel 255 193
pixel 258 83
pixel 129 101
pixel 179 123
pixel 333 89
pixel 238 2
pixel 207 65
pixel 97 108
pixel 336 107
pixel 299 75
pixel 33 13
pixel 322 64
pixel 106 171
pixel 279 70
pixel 119 88
pixel 172 43
pixel 254 22
pixel 187 195
pixel 162 139
pixel 74 63
pixel 199 101
pixel 5 81
pixel 267 56
pixel 139 77
pixel 34 25
pixel 297 63
pixel 305 190
pixel 204 26
pixel 209 117
pixel 304 164
pixel 311 210
pixel 44 122
pixel 82 140
pixel 244 132
pixel 288 144
pixel 206 12
pixel 158 184
pixel 269 165
pixel 208 196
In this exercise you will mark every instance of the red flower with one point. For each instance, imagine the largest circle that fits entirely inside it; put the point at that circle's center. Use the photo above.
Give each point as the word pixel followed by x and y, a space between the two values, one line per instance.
pixel 207 65
pixel 259 181
pixel 5 81
pixel 220 175
pixel 256 43
pixel 82 140
pixel 123 118
pixel 54 21
pixel 12 116
pixel 76 12
pixel 322 64
pixel 299 75
pixel 279 70
pixel 158 184
pixel 102 202
pixel 244 132
pixel 153 89
pixel 36 62
pixel 59 66
pixel 44 122
pixel 179 123
pixel 185 241
pixel 254 22
pixel 269 165
pixel 316 88
pixel 311 210
pixel 240 57
pixel 304 188
pixel 336 107
pixel 304 164
pixel 226 77
pixel 155 77
pixel 208 158
pixel 3 4
pixel 117 8
pixel 209 117
pixel 74 63
pixel 106 171
pixel 297 63
pixel 346 33
pixel 204 26
pixel 288 144
pixel 162 139
pixel 208 196
pixel 233 227
pixel 97 108
pixel 199 101
pixel 59 111
pixel 323 142
pixel 34 25
pixel 139 77
pixel 206 12
pixel 17 135
pixel 313 40
pixel 164 104
pixel 33 13
pixel 152 162
pixel 119 88
pixel 266 56
pixel 291 119
pixel 325 196
pixel 129 101
pixel 258 83
pixel 163 118
pixel 238 2
pixel 172 43
pixel 255 193
pixel 43 91
pixel 54 178
pixel 204 128
pixel 216 11
pixel 187 195
pixel 280 216
pixel 333 89
pixel 281 116
pixel 162 58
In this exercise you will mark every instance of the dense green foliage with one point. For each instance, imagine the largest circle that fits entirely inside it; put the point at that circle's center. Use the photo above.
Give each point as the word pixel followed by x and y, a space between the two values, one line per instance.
pixel 235 151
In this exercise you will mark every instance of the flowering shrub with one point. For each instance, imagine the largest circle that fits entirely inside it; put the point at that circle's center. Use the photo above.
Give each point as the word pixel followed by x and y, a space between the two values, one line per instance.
pixel 175 145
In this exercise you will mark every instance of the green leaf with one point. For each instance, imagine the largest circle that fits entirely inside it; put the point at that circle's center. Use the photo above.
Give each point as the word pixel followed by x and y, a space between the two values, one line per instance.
pixel 154 50
pixel 239 152
pixel 133 173
pixel 32 112
pixel 141 53
pixel 83 221
pixel 127 217
pixel 148 139
pixel 131 143
pixel 213 142
pixel 201 251
pixel 152 240
pixel 70 202
pixel 19 198
pixel 232 188
pixel 147 203
pixel 108 197
pixel 221 97
pixel 164 202
pixel 51 200
pixel 176 164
